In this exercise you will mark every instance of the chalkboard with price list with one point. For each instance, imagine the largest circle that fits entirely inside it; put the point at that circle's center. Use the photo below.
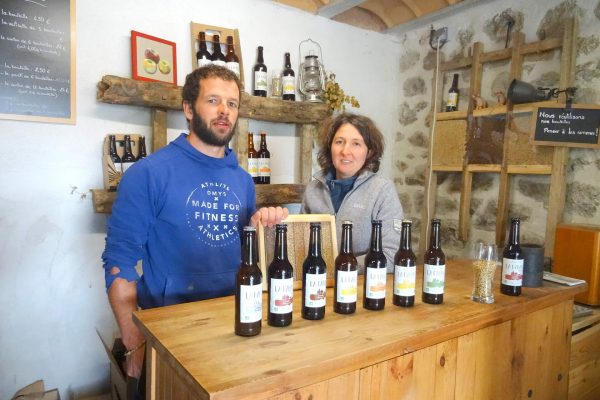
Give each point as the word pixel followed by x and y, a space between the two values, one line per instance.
pixel 37 67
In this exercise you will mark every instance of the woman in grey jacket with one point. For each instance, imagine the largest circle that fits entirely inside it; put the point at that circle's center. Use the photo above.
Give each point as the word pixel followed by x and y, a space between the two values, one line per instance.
pixel 349 186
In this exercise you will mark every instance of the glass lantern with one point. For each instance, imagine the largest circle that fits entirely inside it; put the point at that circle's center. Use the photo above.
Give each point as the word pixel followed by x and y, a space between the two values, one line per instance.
pixel 311 77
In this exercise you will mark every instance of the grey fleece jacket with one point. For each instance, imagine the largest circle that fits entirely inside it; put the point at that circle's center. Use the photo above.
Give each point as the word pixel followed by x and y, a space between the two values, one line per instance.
pixel 371 197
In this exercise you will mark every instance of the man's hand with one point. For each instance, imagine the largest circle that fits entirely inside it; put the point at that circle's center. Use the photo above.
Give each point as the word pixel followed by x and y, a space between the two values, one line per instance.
pixel 269 216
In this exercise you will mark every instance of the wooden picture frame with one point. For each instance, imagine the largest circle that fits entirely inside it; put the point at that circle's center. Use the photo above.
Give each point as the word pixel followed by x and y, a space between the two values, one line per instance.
pixel 566 132
pixel 297 240
pixel 153 59
pixel 210 30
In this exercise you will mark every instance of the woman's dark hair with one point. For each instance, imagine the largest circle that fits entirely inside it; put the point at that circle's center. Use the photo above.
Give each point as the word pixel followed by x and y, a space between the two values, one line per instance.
pixel 191 89
pixel 367 129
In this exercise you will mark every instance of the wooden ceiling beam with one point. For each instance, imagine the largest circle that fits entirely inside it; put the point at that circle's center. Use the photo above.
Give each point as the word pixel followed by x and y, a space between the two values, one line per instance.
pixel 336 7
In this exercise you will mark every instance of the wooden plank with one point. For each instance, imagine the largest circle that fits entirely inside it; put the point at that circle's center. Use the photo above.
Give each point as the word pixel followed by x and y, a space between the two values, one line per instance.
pixel 278 194
pixel 116 90
pixel 450 115
pixel 463 62
pixel 445 369
pixel 496 55
pixel 307 133
pixel 542 46
pixel 447 168
pixel 529 169
pixel 483 168
pixel 240 144
pixel 584 364
pixel 464 214
pixel 425 361
pixel 151 378
pixel 159 128
pixel 466 357
pixel 103 200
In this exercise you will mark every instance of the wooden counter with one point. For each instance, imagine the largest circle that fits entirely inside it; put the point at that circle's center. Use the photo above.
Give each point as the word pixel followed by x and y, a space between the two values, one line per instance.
pixel 518 347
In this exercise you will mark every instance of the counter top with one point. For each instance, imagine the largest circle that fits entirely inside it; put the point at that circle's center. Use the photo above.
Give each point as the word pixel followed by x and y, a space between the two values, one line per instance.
pixel 198 338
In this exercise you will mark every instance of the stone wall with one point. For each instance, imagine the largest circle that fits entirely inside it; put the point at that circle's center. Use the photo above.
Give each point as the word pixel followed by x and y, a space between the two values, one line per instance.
pixel 529 193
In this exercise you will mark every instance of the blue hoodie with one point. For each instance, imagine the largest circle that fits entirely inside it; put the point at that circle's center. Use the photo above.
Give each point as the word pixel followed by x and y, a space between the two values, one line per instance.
pixel 181 212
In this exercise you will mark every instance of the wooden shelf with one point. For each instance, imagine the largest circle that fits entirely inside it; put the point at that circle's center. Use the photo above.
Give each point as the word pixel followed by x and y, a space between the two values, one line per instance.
pixel 495 110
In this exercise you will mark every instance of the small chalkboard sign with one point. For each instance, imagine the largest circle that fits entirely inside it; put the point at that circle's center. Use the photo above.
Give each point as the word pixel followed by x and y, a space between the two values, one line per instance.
pixel 37 63
pixel 577 126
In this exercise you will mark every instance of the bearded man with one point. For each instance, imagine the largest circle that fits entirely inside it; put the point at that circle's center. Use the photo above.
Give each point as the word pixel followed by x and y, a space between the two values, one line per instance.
pixel 181 212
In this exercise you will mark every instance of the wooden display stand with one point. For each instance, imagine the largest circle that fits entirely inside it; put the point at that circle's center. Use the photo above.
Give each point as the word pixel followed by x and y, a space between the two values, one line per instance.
pixel 112 174
pixel 161 97
pixel 497 139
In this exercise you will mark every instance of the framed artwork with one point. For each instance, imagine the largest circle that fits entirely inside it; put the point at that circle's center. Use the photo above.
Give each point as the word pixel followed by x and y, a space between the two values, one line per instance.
pixel 297 240
pixel 153 59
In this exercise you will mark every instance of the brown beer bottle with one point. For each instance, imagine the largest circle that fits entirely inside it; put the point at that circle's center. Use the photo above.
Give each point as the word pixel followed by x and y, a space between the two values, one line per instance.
pixel 281 282
pixel 203 57
pixel 512 262
pixel 231 59
pixel 314 277
pixel 218 58
pixel 248 288
pixel 452 103
pixel 128 158
pixel 344 301
pixel 405 269
pixel 434 270
pixel 288 80
pixel 260 75
pixel 112 152
pixel 142 149
pixel 375 271
pixel 252 158
pixel 264 161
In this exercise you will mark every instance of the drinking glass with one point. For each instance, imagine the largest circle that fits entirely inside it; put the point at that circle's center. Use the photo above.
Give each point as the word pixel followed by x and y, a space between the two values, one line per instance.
pixel 484 257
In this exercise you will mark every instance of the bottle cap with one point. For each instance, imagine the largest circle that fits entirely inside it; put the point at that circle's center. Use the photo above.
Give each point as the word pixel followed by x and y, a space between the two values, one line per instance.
pixel 281 226
pixel 315 224
pixel 346 222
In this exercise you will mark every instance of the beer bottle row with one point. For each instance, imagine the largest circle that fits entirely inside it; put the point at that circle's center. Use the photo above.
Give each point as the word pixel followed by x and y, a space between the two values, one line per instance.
pixel 229 60
pixel 280 275
pixel 259 162
pixel 122 163
pixel 287 80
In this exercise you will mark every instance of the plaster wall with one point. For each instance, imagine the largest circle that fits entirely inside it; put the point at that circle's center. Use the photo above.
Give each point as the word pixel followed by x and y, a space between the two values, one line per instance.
pixel 51 281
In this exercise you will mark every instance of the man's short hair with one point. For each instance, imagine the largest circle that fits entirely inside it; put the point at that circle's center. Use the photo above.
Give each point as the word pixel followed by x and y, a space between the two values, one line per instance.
pixel 191 88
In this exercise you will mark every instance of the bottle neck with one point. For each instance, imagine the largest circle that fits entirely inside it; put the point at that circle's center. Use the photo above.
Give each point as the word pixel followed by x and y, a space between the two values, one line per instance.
pixel 216 45
pixel 405 237
pixel 314 243
pixel 288 64
pixel 259 59
pixel 513 237
pixel 263 142
pixel 376 238
pixel 202 41
pixel 347 239
pixel 434 239
pixel 454 82
pixel 249 255
pixel 250 142
pixel 128 145
pixel 281 252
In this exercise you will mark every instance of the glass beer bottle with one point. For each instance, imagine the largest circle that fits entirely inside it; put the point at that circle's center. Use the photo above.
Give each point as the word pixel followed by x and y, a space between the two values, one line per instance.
pixel 314 277
pixel 260 75
pixel 231 59
pixel 218 58
pixel 452 103
pixel 203 57
pixel 288 80
pixel 512 262
pixel 128 158
pixel 252 158
pixel 248 288
pixel 344 299
pixel 142 149
pixel 405 269
pixel 264 161
pixel 281 282
pixel 375 271
pixel 112 152
pixel 434 270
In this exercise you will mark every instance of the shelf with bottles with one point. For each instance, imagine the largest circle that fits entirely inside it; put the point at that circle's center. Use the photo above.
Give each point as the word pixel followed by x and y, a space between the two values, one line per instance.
pixel 160 97
pixel 498 109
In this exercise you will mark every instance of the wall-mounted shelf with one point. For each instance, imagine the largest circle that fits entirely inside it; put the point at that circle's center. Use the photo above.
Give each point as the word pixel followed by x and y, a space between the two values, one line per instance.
pixel 160 97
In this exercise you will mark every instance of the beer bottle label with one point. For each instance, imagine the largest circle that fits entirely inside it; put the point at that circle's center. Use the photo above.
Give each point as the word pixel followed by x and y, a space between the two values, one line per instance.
pixel 289 84
pixel 404 280
pixel 434 279
pixel 235 67
pixel 203 61
pixel 220 63
pixel 260 80
pixel 253 167
pixel 512 272
pixel 250 303
pixel 375 283
pixel 264 167
pixel 316 287
pixel 282 292
pixel 452 100
pixel 125 165
pixel 346 286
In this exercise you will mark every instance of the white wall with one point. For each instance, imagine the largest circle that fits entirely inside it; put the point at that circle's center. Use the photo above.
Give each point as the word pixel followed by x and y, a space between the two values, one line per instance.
pixel 51 282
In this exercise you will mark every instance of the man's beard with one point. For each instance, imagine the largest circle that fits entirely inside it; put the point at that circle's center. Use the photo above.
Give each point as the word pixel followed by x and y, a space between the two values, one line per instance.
pixel 206 134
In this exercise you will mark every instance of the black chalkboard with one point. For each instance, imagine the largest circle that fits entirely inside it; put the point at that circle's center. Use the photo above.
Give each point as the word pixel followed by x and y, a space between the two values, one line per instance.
pixel 37 60
pixel 572 127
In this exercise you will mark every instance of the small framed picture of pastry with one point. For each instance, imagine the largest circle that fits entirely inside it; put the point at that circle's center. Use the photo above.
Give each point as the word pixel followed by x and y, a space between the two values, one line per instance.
pixel 153 59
